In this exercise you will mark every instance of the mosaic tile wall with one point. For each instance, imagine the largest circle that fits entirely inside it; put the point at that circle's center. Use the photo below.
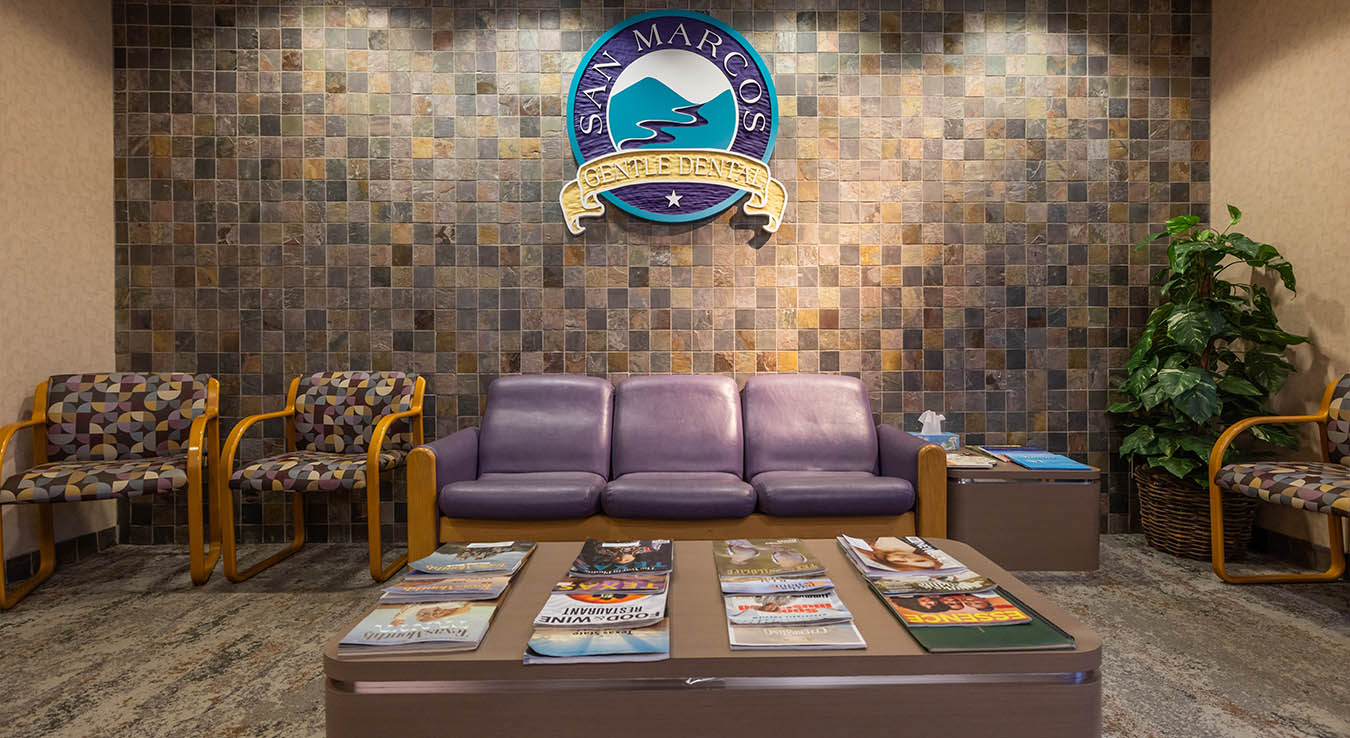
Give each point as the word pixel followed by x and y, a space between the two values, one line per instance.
pixel 311 187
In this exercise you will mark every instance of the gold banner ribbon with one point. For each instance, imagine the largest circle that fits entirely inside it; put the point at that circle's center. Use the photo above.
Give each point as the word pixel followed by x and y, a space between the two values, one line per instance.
pixel 580 198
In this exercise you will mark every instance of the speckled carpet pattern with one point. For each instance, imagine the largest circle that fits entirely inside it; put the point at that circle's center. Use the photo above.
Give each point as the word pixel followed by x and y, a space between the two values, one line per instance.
pixel 123 645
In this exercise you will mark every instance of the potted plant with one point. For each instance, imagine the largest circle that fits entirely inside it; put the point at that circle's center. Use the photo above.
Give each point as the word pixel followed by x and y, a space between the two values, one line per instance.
pixel 1211 354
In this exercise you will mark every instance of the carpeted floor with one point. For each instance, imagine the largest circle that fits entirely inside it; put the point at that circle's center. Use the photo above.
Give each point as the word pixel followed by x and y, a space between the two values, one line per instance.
pixel 122 645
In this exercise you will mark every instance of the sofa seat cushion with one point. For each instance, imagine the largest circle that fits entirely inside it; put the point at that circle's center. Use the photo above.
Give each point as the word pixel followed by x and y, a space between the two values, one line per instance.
pixel 524 496
pixel 310 471
pixel 678 496
pixel 1303 485
pixel 76 479
pixel 816 493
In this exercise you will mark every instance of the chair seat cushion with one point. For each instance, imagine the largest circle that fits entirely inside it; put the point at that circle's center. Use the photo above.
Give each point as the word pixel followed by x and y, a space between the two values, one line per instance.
pixel 1303 485
pixel 310 471
pixel 678 496
pixel 524 496
pixel 74 479
pixel 812 493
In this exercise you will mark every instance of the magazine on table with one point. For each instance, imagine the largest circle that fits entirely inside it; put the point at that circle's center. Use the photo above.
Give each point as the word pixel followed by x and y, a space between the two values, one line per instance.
pixel 841 636
pixel 445 589
pixel 502 557
pixel 416 627
pixel 775 585
pixel 986 609
pixel 621 558
pixel 605 609
pixel 640 583
pixel 742 557
pixel 1032 458
pixel 957 460
pixel 1037 635
pixel 598 645
pixel 888 555
pixel 786 609
pixel 920 584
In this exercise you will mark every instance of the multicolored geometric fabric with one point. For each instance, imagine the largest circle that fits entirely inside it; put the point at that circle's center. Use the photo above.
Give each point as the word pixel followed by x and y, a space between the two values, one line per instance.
pixel 1338 423
pixel 121 416
pixel 310 471
pixel 1303 485
pixel 336 412
pixel 73 480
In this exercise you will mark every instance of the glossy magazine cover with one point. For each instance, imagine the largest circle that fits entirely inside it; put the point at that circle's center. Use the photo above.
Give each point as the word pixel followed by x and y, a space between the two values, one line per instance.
pixel 447 589
pixel 786 609
pixel 989 608
pixel 809 637
pixel 503 557
pixel 582 645
pixel 775 585
pixel 423 623
pixel 642 583
pixel 743 557
pixel 888 555
pixel 918 584
pixel 615 558
pixel 579 610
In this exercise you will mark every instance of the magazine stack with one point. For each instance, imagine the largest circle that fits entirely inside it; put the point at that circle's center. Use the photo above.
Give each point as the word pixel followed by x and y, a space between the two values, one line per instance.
pixel 444 604
pixel 611 606
pixel 777 596
pixel 944 605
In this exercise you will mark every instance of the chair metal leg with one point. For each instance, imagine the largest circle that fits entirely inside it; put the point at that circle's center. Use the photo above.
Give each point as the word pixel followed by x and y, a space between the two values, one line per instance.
pixel 373 537
pixel 229 553
pixel 46 559
pixel 1334 535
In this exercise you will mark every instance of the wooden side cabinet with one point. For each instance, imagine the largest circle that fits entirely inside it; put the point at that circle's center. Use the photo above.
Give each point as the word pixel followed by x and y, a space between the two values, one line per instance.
pixel 1029 520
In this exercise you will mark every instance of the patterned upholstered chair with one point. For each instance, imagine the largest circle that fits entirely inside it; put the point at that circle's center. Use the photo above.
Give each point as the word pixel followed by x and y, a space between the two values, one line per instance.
pixel 113 436
pixel 1316 486
pixel 342 430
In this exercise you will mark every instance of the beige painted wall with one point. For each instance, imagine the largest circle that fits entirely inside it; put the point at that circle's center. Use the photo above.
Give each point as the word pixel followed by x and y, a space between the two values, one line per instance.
pixel 56 217
pixel 1281 152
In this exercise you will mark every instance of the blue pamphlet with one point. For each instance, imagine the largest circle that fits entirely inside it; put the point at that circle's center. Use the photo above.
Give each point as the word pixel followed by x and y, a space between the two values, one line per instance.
pixel 1032 458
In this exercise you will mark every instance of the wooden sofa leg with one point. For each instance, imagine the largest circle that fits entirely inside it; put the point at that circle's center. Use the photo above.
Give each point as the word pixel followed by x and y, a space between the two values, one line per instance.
pixel 46 559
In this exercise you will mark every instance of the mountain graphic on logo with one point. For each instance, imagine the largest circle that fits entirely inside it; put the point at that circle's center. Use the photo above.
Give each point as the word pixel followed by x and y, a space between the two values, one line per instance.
pixel 696 110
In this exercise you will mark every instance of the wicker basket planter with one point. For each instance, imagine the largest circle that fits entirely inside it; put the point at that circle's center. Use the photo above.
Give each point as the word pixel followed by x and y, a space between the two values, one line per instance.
pixel 1175 516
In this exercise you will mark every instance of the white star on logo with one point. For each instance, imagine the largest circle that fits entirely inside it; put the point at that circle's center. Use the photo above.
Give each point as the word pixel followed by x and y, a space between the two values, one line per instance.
pixel 673 199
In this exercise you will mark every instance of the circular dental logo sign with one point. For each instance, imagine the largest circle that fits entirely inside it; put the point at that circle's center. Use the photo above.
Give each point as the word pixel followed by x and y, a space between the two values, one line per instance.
pixel 672 117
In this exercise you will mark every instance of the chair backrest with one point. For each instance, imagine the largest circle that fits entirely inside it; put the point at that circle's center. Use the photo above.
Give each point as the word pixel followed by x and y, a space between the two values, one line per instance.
pixel 337 411
pixel 121 415
pixel 678 423
pixel 801 422
pixel 1338 423
pixel 547 422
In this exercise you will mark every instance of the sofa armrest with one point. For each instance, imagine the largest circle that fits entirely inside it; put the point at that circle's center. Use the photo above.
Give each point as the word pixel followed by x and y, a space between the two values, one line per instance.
pixel 431 466
pixel 924 465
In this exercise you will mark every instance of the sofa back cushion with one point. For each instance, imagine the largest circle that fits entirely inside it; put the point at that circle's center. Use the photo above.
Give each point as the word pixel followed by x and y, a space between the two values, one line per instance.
pixel 686 423
pixel 547 423
pixel 337 412
pixel 807 422
pixel 121 415
pixel 1338 423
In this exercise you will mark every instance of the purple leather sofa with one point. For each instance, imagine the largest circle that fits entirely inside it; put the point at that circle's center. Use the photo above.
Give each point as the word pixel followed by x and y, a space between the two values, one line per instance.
pixel 565 457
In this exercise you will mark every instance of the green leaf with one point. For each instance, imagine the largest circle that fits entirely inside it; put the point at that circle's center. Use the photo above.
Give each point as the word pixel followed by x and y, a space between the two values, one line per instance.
pixel 1275 434
pixel 1181 224
pixel 1175 381
pixel 1239 386
pixel 1199 446
pixel 1286 271
pixel 1268 370
pixel 1190 329
pixel 1124 406
pixel 1137 442
pixel 1178 467
pixel 1153 395
pixel 1200 403
pixel 1234 216
pixel 1244 248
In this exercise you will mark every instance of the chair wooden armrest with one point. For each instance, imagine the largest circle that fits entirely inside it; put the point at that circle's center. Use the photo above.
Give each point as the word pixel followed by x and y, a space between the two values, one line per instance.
pixel 7 434
pixel 378 571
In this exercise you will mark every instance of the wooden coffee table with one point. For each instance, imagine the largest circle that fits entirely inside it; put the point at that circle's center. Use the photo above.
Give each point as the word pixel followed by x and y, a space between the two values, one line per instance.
pixel 893 687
